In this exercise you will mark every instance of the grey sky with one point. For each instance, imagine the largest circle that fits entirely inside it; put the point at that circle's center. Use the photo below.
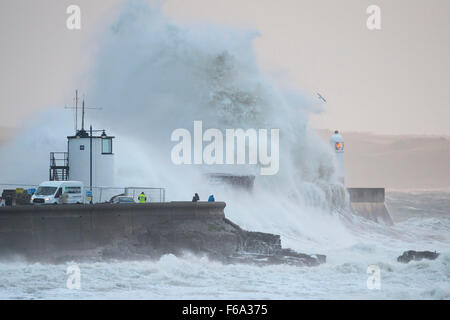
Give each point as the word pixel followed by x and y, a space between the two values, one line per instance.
pixel 395 80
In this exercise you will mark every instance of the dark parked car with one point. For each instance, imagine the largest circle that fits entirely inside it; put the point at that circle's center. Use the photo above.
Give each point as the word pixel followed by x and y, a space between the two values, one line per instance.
pixel 123 199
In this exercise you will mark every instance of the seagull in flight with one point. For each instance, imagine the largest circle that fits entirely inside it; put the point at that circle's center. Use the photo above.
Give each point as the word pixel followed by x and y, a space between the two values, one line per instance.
pixel 321 98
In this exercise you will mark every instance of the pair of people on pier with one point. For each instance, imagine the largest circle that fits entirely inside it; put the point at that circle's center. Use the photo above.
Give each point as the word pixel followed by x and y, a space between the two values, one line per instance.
pixel 196 198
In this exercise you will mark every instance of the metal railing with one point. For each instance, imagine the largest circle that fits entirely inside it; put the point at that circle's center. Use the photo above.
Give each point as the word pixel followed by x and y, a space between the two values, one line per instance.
pixel 104 194
pixel 59 166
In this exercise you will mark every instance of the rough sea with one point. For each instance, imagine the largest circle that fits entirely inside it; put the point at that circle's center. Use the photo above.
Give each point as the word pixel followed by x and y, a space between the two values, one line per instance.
pixel 422 222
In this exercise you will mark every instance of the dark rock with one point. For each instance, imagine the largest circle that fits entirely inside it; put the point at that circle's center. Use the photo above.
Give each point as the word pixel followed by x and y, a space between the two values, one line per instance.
pixel 410 255
pixel 219 239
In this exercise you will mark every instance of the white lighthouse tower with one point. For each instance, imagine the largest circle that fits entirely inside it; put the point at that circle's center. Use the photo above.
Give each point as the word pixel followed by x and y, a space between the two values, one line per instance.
pixel 337 143
pixel 89 159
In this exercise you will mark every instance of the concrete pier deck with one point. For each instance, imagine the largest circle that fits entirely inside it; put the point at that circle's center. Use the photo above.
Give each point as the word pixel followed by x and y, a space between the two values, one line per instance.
pixel 81 227
pixel 137 231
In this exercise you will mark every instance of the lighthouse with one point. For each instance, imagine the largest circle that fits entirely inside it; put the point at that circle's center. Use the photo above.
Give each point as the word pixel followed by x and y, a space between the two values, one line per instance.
pixel 337 143
pixel 89 158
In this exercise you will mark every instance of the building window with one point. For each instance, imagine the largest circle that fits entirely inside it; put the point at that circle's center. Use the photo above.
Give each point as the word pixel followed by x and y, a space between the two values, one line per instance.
pixel 106 146
pixel 82 147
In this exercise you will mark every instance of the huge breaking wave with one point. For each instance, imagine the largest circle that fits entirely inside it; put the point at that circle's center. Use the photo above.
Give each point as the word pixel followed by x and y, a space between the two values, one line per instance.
pixel 155 76
pixel 152 76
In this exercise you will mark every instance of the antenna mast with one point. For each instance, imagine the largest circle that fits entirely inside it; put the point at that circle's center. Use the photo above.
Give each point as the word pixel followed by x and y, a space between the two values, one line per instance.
pixel 76 111
pixel 83 108
pixel 82 117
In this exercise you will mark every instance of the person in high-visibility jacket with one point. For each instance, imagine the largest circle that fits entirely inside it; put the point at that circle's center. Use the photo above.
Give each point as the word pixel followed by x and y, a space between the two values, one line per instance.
pixel 142 198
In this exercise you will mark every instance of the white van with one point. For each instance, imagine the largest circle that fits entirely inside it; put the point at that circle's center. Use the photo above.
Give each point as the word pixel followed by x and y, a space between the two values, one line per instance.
pixel 59 192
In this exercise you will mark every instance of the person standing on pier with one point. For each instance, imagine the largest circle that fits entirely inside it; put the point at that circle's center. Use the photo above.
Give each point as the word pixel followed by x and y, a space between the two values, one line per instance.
pixel 142 198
